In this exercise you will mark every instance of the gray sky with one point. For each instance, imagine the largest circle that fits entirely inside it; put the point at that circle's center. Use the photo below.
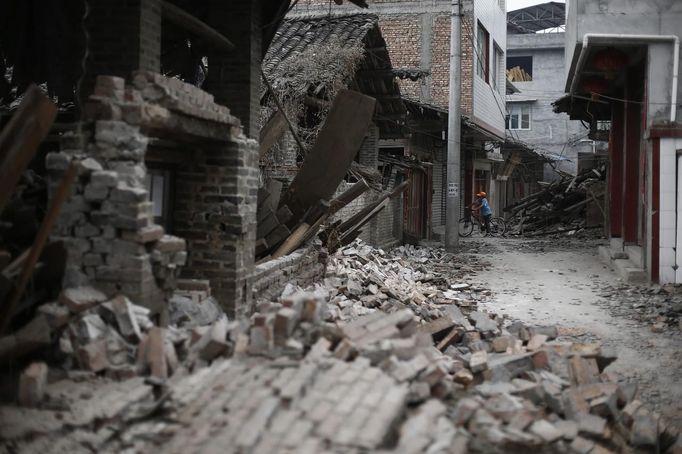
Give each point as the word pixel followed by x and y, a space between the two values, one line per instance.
pixel 517 4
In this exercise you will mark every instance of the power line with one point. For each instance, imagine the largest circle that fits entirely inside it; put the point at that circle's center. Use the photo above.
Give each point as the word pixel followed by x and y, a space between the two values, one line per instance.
pixel 529 90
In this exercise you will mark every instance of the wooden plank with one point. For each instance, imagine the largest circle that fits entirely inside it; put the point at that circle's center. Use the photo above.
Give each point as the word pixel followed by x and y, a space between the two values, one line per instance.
pixel 337 144
pixel 41 238
pixel 348 196
pixel 277 235
pixel 263 213
pixel 274 187
pixel 263 195
pixel 353 221
pixel 437 325
pixel 293 242
pixel 368 217
pixel 11 270
pixel 284 214
pixel 186 21
pixel 306 230
pixel 271 132
pixel 21 137
pixel 268 224
pixel 261 246
pixel 450 338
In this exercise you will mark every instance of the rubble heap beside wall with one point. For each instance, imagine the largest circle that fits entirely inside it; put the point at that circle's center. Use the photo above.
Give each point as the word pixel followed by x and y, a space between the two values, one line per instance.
pixel 108 223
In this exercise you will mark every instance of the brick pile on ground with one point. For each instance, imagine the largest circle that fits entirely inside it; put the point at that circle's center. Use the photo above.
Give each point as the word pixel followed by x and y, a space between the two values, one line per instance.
pixel 303 374
pixel 84 330
pixel 419 279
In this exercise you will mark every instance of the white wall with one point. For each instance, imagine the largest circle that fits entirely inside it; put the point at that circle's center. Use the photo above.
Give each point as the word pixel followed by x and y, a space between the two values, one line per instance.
pixel 670 228
pixel 657 17
pixel 549 131
pixel 488 102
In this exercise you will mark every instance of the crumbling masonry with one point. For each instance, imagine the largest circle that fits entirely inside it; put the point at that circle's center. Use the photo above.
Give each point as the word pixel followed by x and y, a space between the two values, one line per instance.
pixel 108 224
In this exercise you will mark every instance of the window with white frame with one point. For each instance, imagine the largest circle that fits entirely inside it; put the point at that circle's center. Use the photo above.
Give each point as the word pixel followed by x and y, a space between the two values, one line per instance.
pixel 483 53
pixel 498 57
pixel 518 116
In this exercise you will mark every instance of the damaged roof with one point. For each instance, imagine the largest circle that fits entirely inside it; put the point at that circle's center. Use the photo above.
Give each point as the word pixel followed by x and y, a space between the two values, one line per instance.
pixel 374 75
pixel 515 144
pixel 532 19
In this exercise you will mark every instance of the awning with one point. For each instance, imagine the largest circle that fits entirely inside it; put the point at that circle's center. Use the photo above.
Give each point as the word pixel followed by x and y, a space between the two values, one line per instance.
pixel 513 98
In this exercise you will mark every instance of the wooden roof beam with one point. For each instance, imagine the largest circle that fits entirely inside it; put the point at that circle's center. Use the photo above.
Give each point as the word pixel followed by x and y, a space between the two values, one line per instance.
pixel 186 21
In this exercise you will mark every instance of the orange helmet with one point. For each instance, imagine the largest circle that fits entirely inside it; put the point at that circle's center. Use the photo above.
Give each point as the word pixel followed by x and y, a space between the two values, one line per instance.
pixel 482 194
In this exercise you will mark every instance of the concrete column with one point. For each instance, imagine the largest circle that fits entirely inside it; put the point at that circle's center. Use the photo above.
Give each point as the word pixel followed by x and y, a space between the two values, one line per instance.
pixel 234 77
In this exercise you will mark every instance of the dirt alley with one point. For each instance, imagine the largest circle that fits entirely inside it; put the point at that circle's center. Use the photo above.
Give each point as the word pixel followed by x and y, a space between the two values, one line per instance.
pixel 559 282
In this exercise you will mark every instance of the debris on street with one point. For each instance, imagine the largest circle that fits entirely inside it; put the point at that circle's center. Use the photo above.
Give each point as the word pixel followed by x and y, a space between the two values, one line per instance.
pixel 562 206
pixel 390 352
pixel 658 307
pixel 231 227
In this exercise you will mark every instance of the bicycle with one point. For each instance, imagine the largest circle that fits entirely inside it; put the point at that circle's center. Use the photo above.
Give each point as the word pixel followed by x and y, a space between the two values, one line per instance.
pixel 466 224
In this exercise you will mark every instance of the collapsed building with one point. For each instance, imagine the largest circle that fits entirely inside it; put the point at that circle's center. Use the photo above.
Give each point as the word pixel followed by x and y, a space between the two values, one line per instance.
pixel 168 178
pixel 418 40
pixel 308 62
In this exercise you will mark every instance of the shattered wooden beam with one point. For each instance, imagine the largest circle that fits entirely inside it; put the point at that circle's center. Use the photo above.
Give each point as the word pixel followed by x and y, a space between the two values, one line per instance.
pixel 348 196
pixel 186 21
pixel 291 243
pixel 352 222
pixel 368 217
pixel 271 132
pixel 41 238
pixel 337 144
pixel 21 137
pixel 279 234
pixel 306 230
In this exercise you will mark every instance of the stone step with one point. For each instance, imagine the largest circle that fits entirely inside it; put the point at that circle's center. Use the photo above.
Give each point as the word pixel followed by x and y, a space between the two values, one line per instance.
pixel 634 254
pixel 629 272
pixel 607 254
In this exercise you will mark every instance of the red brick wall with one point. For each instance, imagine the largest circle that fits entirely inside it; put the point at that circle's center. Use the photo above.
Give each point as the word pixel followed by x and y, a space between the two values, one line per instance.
pixel 402 30
pixel 403 39
pixel 440 61
pixel 467 65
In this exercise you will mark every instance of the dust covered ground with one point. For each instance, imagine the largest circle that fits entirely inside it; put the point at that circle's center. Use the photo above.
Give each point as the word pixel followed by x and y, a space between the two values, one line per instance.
pixel 563 281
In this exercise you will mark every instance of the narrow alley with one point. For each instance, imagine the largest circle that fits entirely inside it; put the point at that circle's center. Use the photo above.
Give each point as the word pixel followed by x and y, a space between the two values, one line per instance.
pixel 563 281
pixel 340 227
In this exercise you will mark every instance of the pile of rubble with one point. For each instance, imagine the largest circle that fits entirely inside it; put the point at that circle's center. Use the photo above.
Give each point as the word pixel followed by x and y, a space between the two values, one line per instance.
pixel 568 205
pixel 87 331
pixel 386 354
pixel 370 278
pixel 659 307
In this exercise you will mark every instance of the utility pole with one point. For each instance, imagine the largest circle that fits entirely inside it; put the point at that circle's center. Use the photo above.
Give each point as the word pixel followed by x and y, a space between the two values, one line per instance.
pixel 454 133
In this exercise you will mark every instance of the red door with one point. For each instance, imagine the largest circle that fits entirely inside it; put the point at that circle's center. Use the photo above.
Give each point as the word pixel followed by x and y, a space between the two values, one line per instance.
pixel 416 207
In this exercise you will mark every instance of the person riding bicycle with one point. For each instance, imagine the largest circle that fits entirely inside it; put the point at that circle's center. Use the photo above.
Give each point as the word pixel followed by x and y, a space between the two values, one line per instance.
pixel 481 205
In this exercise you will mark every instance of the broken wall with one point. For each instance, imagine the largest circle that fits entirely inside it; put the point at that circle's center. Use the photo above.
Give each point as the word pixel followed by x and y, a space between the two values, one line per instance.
pixel 108 223
pixel 303 268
